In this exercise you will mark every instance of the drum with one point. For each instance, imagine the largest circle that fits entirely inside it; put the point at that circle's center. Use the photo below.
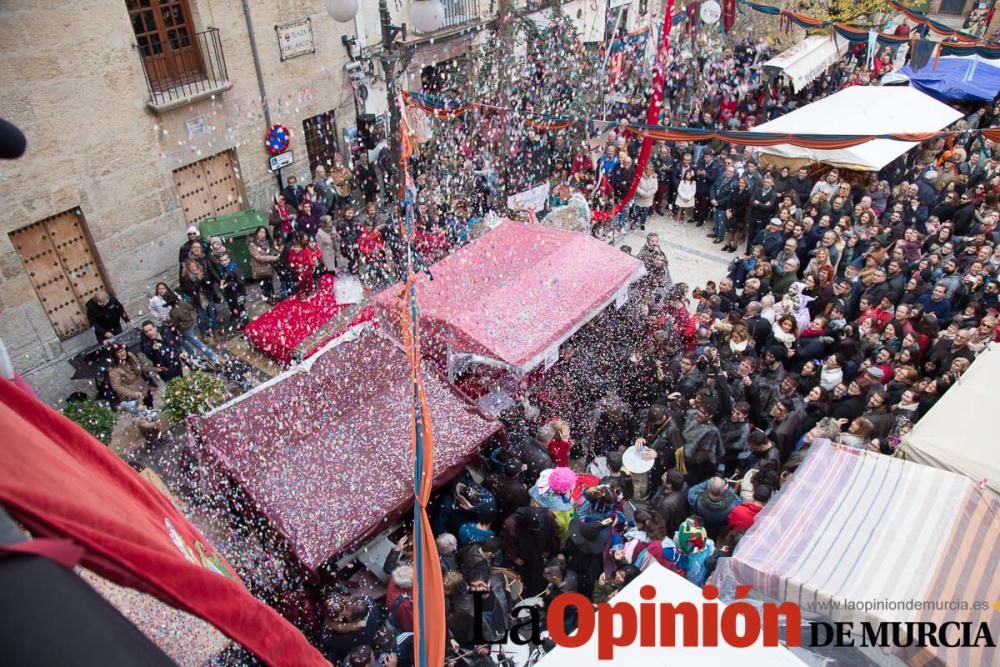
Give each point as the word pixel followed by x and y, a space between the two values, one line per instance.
pixel 636 461
pixel 511 582
pixel 537 601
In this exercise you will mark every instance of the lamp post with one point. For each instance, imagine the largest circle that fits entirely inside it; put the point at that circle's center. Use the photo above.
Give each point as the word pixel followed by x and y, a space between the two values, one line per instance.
pixel 427 16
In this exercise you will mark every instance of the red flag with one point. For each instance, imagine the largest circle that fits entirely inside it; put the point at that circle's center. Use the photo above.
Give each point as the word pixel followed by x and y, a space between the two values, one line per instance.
pixel 652 114
pixel 728 14
pixel 693 17
pixel 60 482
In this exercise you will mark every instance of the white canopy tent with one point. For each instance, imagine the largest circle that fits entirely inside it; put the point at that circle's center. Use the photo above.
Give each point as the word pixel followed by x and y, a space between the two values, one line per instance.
pixel 674 589
pixel 860 110
pixel 958 434
pixel 807 60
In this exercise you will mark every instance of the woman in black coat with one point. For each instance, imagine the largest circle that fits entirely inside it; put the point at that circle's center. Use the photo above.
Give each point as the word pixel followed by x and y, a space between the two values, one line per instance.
pixel 736 215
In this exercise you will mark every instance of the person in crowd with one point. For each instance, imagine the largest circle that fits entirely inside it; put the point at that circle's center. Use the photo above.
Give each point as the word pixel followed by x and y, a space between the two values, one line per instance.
pixel 263 256
pixel 686 192
pixel 193 238
pixel 233 287
pixel 162 346
pixel 182 320
pixel 198 284
pixel 712 500
pixel 158 307
pixel 293 191
pixel 127 377
pixel 106 315
pixel 282 218
pixel 328 242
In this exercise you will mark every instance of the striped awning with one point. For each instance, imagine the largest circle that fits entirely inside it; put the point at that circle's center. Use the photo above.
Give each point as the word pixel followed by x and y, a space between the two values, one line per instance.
pixel 855 526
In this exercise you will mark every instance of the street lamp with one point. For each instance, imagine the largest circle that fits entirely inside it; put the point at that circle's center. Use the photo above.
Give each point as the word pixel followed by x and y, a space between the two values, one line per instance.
pixel 427 16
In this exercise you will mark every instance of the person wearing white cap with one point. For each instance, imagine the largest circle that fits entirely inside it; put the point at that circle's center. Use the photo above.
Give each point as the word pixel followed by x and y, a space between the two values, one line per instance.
pixel 193 236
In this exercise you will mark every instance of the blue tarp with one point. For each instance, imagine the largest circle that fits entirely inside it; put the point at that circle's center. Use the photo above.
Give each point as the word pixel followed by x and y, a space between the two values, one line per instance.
pixel 956 78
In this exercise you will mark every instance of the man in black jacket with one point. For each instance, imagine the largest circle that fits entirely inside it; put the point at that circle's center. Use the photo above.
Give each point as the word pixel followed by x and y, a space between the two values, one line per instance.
pixel 534 453
pixel 763 204
pixel 162 346
pixel 705 175
pixel 106 314
pixel 801 185
pixel 759 328
pixel 663 165
pixel 671 500
pixel 721 194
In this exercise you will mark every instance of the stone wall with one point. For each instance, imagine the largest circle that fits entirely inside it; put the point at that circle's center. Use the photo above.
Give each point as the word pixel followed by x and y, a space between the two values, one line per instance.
pixel 74 83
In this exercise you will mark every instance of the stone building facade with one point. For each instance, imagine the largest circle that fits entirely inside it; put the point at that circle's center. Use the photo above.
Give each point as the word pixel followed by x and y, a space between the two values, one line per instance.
pixel 145 116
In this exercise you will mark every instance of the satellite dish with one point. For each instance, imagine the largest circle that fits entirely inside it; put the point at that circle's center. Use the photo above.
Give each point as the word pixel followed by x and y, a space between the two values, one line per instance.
pixel 711 12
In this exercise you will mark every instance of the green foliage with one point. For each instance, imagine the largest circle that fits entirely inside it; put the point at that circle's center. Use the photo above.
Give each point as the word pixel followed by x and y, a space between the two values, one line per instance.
pixel 194 394
pixel 95 417
pixel 860 12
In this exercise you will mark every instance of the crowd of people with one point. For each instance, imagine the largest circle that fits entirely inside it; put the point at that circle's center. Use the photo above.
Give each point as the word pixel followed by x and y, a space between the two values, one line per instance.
pixel 851 305
pixel 849 308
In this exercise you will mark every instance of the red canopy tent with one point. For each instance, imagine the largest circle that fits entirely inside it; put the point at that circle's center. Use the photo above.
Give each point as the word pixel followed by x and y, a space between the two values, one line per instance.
pixel 323 451
pixel 514 294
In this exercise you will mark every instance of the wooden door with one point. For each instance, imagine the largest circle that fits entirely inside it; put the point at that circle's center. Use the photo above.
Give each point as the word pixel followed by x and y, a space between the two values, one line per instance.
pixel 167 42
pixel 321 140
pixel 210 187
pixel 61 263
pixel 222 178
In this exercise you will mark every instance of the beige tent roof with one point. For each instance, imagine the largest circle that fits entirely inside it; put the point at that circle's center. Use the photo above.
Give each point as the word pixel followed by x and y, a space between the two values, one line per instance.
pixel 861 110
pixel 959 433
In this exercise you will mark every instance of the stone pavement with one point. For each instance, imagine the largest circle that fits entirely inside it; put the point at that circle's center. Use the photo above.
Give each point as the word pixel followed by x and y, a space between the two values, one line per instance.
pixel 693 258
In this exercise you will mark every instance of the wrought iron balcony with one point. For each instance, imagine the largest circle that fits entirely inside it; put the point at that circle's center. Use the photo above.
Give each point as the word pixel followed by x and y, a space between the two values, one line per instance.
pixel 183 67
pixel 459 12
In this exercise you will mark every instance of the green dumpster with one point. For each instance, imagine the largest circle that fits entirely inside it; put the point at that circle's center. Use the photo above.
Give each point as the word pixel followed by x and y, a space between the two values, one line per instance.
pixel 234 229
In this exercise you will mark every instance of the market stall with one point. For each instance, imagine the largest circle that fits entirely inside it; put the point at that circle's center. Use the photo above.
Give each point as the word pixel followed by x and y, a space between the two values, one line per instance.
pixel 858 110
pixel 963 78
pixel 807 59
pixel 958 433
pixel 513 296
pixel 863 527
pixel 322 452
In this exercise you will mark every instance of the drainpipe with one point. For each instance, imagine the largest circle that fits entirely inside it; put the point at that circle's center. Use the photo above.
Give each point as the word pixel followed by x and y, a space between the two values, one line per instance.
pixel 260 76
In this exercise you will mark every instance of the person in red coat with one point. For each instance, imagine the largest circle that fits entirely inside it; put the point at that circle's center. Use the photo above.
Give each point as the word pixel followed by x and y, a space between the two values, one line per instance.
pixel 560 445
pixel 399 598
pixel 371 246
pixel 742 516
pixel 304 260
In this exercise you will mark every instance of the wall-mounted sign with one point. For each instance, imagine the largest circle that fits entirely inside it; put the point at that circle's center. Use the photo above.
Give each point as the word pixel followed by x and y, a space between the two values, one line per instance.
pixel 198 125
pixel 283 160
pixel 277 139
pixel 295 38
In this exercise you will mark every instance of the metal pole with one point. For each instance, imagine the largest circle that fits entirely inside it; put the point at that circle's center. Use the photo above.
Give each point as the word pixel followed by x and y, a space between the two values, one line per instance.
pixel 260 75
pixel 388 58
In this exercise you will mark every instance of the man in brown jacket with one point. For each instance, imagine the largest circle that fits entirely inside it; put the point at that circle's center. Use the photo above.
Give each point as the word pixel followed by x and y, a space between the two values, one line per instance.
pixel 127 377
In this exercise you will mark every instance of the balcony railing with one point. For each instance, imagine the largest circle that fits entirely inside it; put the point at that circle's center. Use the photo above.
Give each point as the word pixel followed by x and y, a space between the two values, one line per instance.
pixel 184 68
pixel 458 12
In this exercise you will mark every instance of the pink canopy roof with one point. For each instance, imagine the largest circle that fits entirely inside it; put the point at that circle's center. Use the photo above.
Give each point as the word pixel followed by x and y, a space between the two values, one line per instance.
pixel 325 453
pixel 514 293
